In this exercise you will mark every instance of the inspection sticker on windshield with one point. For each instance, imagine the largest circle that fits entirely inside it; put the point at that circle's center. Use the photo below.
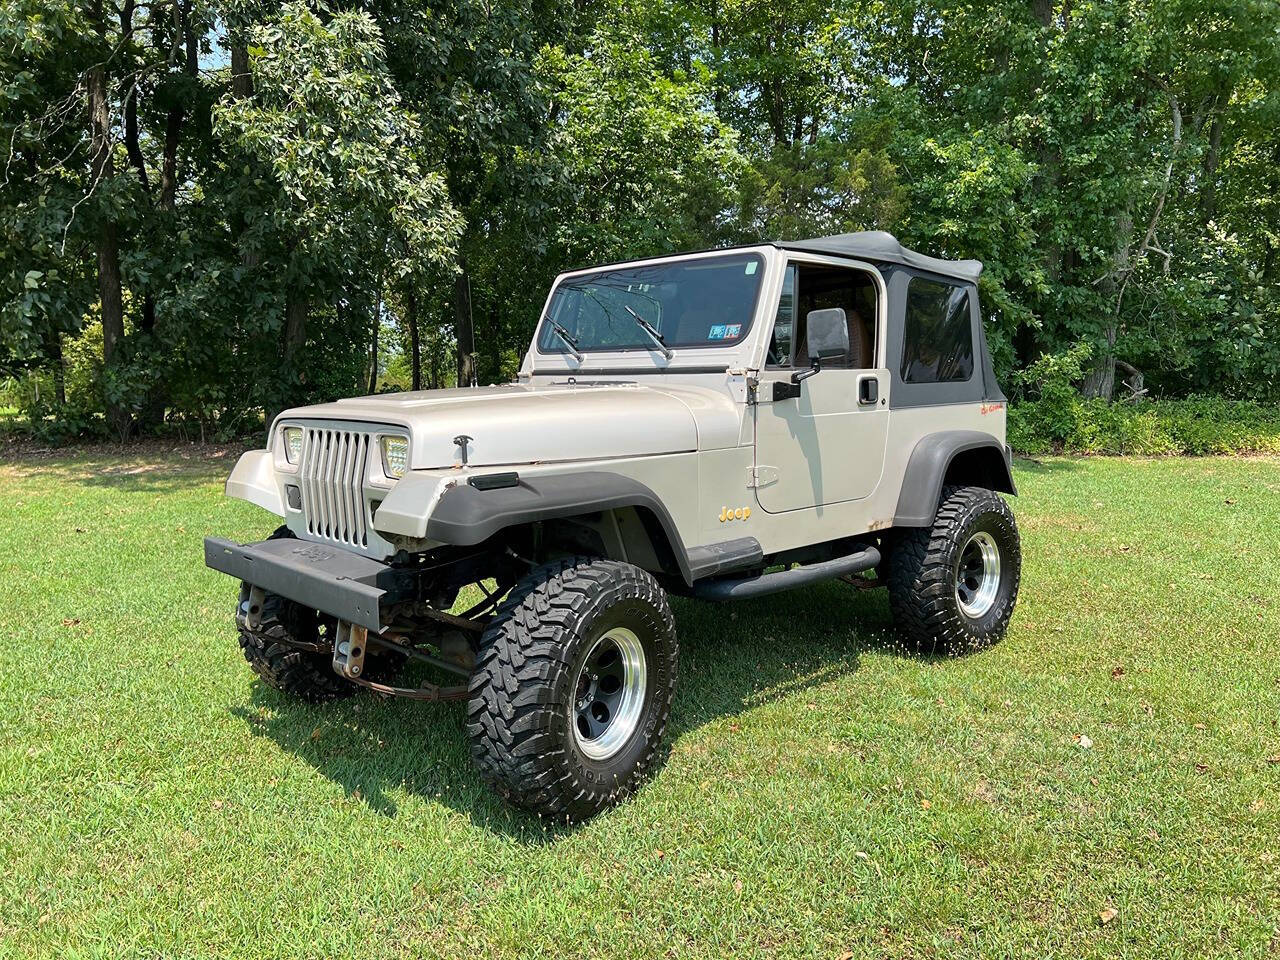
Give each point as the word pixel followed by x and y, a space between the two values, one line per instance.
pixel 725 331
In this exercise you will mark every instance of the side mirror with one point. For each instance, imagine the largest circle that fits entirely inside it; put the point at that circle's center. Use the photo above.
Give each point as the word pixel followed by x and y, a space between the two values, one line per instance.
pixel 827 333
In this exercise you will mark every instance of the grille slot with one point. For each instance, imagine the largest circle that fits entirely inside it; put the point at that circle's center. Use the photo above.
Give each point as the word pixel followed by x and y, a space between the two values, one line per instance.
pixel 332 476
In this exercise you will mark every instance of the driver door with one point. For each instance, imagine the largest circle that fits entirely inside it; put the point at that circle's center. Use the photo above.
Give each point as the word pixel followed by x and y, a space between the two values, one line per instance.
pixel 822 441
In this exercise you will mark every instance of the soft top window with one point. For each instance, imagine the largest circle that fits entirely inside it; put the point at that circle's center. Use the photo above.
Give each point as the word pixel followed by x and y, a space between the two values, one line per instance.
pixel 814 286
pixel 703 302
pixel 938 338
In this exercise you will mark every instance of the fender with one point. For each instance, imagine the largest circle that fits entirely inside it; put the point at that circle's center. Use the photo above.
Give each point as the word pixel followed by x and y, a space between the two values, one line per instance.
pixel 466 515
pixel 979 459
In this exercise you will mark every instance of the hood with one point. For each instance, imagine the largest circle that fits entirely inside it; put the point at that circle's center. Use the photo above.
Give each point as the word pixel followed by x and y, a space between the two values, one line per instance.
pixel 525 423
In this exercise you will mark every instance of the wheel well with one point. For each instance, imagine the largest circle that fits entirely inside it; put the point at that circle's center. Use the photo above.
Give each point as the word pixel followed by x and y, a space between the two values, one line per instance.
pixel 632 534
pixel 593 511
pixel 950 458
pixel 979 467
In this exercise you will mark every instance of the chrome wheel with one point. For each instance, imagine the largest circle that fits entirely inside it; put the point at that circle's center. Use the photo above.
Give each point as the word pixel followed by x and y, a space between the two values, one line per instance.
pixel 978 575
pixel 609 694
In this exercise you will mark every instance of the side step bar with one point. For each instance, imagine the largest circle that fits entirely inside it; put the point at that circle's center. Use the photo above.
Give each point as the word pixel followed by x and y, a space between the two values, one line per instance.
pixel 779 580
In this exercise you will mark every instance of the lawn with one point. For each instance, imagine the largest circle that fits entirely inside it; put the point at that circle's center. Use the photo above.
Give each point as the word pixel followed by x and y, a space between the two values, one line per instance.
pixel 825 793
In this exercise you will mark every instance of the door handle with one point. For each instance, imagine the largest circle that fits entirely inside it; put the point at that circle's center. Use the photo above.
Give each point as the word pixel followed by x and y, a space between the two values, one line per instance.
pixel 868 390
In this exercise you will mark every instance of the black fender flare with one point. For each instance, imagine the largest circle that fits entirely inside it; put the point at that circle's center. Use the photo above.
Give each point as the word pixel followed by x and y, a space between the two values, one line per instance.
pixel 467 515
pixel 928 465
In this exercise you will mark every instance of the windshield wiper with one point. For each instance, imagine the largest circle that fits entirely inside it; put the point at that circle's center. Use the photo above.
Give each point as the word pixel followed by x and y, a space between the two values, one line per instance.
pixel 647 327
pixel 566 338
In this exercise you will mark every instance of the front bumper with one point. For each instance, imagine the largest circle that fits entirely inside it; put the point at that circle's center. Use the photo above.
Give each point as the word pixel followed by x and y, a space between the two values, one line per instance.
pixel 338 582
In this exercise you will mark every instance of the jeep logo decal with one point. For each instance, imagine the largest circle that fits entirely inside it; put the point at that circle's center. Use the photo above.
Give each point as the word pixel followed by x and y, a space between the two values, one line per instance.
pixel 314 554
pixel 734 513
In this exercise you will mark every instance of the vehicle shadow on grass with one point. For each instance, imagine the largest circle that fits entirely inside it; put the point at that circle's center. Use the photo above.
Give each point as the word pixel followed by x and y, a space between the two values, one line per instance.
pixel 734 658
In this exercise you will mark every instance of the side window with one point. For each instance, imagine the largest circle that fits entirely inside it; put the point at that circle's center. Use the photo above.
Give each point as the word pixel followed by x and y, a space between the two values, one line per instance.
pixel 784 323
pixel 938 337
pixel 813 286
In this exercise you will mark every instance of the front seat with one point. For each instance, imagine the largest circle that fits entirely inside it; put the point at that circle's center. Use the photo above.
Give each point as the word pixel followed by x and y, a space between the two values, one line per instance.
pixel 860 355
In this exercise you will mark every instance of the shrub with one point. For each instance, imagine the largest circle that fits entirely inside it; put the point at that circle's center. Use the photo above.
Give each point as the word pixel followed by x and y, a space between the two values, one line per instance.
pixel 1195 426
pixel 1053 416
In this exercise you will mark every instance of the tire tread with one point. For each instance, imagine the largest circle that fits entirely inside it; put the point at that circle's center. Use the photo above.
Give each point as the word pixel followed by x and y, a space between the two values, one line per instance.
pixel 513 703
pixel 919 573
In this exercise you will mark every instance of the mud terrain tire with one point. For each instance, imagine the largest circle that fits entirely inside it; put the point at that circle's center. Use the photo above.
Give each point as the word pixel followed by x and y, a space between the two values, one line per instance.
pixel 953 586
pixel 545 664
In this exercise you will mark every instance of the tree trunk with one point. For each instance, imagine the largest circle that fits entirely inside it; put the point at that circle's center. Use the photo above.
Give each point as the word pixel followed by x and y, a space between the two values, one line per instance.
pixel 169 166
pixel 241 78
pixel 109 290
pixel 373 347
pixel 773 102
pixel 463 327
pixel 1050 165
pixel 1101 381
pixel 296 309
pixel 242 89
pixel 131 140
pixel 718 96
pixel 415 344
pixel 177 112
pixel 59 370
pixel 1208 195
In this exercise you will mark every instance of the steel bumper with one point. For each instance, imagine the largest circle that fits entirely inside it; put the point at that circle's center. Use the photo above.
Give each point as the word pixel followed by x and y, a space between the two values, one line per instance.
pixel 338 582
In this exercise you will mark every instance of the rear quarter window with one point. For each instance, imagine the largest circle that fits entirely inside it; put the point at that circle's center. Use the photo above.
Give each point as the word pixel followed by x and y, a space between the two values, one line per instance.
pixel 938 336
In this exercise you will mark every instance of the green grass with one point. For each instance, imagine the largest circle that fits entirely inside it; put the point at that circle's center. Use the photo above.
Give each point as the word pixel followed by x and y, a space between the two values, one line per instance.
pixel 825 792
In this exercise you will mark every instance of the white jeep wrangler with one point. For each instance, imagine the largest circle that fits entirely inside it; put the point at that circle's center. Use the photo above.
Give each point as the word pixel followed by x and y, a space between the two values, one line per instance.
pixel 723 424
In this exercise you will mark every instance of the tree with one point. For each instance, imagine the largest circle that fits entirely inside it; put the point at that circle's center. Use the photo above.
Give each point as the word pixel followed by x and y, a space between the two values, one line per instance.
pixel 349 190
pixel 46 213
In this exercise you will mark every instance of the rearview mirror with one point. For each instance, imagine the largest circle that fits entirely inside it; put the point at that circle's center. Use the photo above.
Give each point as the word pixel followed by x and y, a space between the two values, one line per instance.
pixel 827 333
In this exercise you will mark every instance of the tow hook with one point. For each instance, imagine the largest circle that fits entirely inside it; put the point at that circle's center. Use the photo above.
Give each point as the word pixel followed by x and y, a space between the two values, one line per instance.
pixel 348 650
pixel 251 609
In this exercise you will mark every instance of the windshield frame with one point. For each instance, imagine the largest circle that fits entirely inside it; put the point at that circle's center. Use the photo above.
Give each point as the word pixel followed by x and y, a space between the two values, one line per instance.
pixel 746 254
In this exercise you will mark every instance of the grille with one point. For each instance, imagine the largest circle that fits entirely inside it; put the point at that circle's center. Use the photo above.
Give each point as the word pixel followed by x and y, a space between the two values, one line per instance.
pixel 332 477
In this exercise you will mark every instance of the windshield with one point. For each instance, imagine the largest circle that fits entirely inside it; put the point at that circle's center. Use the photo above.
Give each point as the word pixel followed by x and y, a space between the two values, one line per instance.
pixel 706 302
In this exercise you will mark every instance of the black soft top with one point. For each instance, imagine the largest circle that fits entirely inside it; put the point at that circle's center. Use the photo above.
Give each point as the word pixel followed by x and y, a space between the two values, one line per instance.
pixel 883 247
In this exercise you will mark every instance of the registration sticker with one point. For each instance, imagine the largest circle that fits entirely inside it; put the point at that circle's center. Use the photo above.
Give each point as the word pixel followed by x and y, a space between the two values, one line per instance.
pixel 732 330
pixel 717 332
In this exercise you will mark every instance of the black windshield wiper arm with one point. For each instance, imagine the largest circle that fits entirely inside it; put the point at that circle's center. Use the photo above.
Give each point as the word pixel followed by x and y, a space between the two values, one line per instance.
pixel 566 338
pixel 647 327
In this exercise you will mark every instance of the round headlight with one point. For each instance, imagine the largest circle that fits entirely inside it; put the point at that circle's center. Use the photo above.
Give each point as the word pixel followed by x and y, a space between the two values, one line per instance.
pixel 395 456
pixel 293 444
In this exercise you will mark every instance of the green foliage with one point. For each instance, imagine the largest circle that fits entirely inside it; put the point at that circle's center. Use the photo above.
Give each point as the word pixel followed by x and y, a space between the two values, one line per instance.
pixel 832 186
pixel 273 180
pixel 1053 411
pixel 630 141
pixel 1195 426
pixel 352 183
